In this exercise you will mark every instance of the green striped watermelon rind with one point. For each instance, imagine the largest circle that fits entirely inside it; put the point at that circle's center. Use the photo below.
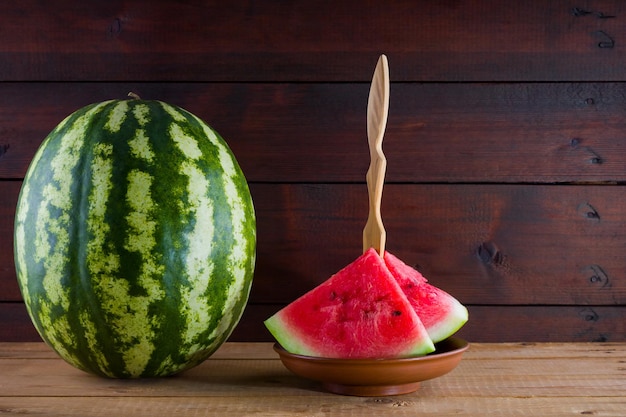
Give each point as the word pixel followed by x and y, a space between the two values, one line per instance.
pixel 135 239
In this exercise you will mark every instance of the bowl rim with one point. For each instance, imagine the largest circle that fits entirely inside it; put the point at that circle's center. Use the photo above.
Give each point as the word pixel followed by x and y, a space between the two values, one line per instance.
pixel 458 346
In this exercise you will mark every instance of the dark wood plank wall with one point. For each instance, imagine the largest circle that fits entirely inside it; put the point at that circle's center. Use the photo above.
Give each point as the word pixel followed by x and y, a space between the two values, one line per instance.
pixel 506 139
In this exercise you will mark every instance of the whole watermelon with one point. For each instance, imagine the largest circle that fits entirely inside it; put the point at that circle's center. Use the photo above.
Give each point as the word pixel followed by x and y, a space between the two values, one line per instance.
pixel 135 239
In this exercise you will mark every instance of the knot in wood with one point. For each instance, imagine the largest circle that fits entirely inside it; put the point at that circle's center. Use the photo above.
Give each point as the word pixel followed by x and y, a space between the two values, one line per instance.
pixel 488 253
pixel 588 211
pixel 115 28
pixel 588 314
pixel 597 276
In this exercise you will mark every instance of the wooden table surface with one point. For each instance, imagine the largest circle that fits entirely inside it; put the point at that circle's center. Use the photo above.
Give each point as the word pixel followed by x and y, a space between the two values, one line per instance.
pixel 243 379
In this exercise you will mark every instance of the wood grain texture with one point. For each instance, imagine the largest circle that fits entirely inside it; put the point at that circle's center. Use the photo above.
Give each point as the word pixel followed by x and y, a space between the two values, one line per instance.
pixel 487 244
pixel 304 41
pixel 249 379
pixel 292 132
pixel 496 405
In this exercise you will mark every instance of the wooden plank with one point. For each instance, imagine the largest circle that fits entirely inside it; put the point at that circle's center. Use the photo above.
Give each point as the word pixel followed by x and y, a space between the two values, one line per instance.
pixel 550 377
pixel 442 132
pixel 15 324
pixel 582 323
pixel 543 350
pixel 9 191
pixel 596 375
pixel 30 350
pixel 321 41
pixel 485 244
pixel 409 406
pixel 491 380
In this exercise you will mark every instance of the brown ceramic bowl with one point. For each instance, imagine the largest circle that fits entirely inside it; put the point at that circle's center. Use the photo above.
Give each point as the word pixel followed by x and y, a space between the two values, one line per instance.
pixel 376 377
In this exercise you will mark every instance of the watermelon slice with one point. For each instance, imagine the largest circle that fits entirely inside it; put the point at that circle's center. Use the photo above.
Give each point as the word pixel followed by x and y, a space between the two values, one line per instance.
pixel 359 312
pixel 441 313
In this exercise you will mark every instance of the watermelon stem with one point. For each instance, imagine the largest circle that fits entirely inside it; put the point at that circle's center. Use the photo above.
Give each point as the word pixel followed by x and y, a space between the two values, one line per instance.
pixel 134 96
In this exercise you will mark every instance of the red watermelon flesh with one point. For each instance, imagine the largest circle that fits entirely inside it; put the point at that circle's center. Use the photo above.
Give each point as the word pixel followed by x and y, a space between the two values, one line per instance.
pixel 441 313
pixel 359 312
